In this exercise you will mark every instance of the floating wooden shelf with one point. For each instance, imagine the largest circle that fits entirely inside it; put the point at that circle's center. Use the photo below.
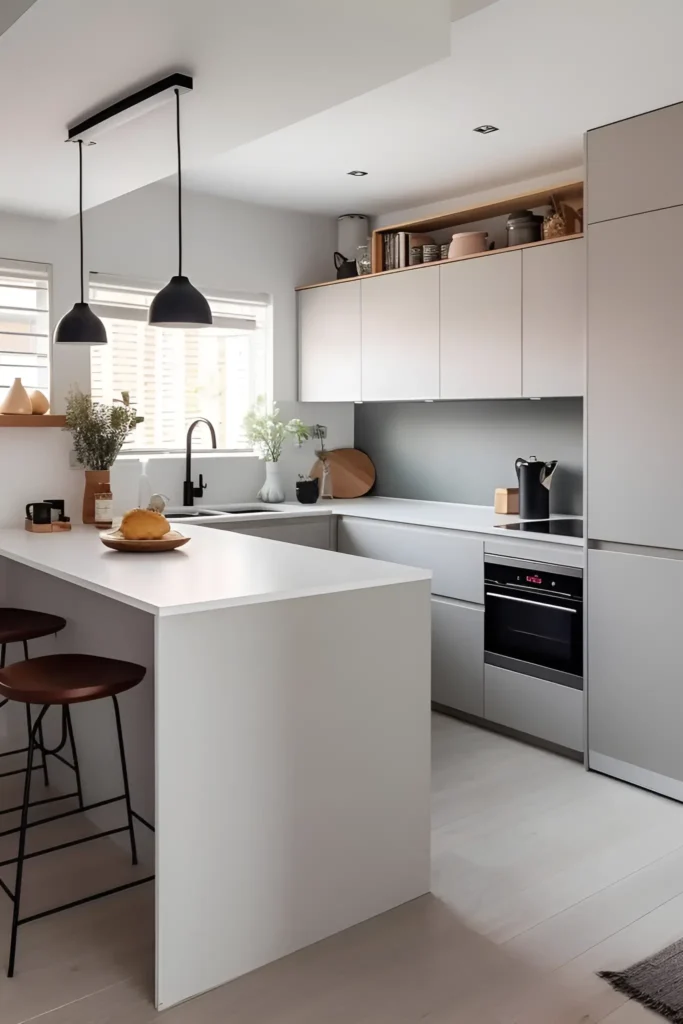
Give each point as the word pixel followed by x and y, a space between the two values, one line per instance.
pixel 436 263
pixel 32 421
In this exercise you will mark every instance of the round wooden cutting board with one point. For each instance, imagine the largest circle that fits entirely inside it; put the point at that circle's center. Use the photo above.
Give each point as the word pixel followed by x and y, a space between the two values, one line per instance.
pixel 352 471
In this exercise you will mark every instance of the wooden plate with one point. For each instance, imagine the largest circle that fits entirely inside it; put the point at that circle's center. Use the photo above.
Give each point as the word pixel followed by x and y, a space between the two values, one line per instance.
pixel 353 473
pixel 117 542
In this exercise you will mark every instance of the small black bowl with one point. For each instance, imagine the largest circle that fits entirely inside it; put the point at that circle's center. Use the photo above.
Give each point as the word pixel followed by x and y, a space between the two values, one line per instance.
pixel 307 491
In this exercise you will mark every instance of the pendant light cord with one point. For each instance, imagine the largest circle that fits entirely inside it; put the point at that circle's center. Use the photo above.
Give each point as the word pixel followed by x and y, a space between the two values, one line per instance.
pixel 80 207
pixel 180 201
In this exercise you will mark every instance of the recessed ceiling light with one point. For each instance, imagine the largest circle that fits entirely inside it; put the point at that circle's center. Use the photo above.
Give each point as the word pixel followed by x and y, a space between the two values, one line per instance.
pixel 357 174
pixel 486 129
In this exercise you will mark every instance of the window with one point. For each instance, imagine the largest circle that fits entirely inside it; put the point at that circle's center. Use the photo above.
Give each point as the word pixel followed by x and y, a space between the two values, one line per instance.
pixel 174 376
pixel 24 325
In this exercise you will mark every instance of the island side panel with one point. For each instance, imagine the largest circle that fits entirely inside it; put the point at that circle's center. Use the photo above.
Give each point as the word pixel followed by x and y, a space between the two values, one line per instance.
pixel 293 776
pixel 95 625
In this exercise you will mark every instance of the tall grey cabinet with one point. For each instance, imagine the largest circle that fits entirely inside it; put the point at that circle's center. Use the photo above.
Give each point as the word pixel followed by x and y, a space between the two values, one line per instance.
pixel 634 410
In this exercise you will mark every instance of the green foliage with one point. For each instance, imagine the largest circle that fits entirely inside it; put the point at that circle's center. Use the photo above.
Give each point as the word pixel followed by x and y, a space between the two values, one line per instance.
pixel 266 432
pixel 98 430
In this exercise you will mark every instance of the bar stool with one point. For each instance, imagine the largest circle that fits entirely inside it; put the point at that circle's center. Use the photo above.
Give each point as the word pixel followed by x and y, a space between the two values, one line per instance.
pixel 63 680
pixel 19 625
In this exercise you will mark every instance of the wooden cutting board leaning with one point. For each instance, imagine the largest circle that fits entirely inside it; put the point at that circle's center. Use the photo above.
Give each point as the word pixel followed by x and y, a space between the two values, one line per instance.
pixel 352 472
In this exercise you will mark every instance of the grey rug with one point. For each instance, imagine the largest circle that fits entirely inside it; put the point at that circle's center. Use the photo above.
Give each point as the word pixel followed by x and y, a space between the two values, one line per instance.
pixel 656 982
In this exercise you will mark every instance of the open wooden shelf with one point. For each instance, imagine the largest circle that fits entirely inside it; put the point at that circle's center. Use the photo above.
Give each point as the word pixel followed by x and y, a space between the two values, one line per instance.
pixel 436 263
pixel 32 421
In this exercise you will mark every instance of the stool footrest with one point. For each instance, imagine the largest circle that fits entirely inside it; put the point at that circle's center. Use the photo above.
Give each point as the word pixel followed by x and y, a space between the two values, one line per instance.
pixel 86 899
pixel 39 803
pixel 65 846
pixel 64 814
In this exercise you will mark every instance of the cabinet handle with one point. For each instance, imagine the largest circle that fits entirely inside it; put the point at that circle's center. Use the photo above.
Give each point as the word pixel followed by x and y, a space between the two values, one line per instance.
pixel 538 604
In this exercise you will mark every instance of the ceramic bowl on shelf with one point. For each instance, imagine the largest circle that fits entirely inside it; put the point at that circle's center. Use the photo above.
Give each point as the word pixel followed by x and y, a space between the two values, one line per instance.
pixel 465 243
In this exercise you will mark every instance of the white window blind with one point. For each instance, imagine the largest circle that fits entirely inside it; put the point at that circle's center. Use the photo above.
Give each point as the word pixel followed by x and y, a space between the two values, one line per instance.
pixel 24 325
pixel 174 376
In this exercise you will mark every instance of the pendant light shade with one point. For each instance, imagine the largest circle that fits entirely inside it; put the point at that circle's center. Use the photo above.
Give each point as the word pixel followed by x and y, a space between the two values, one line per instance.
pixel 179 304
pixel 80 326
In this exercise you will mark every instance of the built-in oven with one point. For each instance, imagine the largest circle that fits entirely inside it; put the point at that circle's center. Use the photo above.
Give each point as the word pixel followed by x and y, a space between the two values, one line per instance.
pixel 533 619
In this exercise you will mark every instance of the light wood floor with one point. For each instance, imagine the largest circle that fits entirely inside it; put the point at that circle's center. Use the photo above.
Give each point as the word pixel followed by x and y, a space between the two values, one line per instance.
pixel 543 875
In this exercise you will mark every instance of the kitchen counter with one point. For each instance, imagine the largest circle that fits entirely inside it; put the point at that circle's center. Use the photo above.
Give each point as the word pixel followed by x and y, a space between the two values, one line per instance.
pixel 440 514
pixel 218 569
pixel 279 742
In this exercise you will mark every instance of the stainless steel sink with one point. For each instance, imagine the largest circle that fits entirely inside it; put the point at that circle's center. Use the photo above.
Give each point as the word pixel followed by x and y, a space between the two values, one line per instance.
pixel 192 515
pixel 232 510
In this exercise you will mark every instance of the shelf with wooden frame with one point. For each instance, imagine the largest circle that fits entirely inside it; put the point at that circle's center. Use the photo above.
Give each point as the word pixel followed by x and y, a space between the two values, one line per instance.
pixel 47 420
pixel 436 263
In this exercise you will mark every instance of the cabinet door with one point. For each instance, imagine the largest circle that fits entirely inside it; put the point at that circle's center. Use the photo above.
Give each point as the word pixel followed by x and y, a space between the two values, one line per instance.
pixel 314 533
pixel 329 343
pixel 554 319
pixel 400 331
pixel 457 562
pixel 635 165
pixel 481 327
pixel 634 667
pixel 635 375
pixel 534 706
pixel 458 656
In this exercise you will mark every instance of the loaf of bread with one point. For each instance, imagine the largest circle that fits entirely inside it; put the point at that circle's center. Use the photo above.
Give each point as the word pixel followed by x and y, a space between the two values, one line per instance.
pixel 144 524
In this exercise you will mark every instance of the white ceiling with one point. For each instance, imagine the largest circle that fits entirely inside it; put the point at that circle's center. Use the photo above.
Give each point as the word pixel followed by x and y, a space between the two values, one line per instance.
pixel 259 65
pixel 543 71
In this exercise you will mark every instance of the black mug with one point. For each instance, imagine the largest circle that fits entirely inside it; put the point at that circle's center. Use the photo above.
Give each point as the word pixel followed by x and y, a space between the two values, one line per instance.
pixel 39 512
pixel 57 504
pixel 307 491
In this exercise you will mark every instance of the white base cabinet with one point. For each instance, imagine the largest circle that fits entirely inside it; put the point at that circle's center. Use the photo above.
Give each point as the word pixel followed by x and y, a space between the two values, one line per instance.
pixel 458 656
pixel 635 672
pixel 315 532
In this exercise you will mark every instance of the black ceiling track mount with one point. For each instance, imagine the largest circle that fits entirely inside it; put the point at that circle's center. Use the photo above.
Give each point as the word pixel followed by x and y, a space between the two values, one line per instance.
pixel 119 110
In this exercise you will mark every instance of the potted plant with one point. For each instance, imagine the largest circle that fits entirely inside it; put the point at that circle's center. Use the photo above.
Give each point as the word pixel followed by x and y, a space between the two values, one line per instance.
pixel 307 490
pixel 98 432
pixel 267 433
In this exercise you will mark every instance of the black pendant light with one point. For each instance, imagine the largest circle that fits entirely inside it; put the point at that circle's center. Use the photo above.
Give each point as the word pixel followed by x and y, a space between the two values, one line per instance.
pixel 80 326
pixel 179 304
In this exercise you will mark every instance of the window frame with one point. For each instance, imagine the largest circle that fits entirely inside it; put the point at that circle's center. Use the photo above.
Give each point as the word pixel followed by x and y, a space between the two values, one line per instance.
pixel 43 269
pixel 103 309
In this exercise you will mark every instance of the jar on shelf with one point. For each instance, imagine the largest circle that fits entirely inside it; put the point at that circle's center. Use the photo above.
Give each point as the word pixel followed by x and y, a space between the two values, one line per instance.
pixel 104 510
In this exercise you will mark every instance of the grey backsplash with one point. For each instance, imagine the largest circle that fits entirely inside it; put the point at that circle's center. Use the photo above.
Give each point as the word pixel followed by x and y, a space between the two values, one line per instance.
pixel 462 451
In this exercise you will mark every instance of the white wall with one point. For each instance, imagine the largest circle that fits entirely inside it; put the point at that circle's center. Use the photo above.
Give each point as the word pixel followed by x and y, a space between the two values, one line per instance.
pixel 227 245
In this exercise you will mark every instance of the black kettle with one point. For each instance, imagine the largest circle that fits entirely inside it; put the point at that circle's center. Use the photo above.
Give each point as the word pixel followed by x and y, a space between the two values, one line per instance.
pixel 344 267
pixel 534 479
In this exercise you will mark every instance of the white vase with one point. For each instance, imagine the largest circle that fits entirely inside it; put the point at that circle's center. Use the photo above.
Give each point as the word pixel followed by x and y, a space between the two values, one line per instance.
pixel 272 490
pixel 17 402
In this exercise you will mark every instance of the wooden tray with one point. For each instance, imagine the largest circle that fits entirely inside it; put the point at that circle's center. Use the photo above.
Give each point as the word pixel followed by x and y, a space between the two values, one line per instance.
pixel 352 471
pixel 117 542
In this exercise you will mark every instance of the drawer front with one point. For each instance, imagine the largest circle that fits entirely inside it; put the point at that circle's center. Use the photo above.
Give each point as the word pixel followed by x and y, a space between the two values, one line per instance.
pixel 535 706
pixel 458 656
pixel 456 562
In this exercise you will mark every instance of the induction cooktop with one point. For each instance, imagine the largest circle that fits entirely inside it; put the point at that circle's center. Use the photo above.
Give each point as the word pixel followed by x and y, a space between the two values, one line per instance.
pixel 556 527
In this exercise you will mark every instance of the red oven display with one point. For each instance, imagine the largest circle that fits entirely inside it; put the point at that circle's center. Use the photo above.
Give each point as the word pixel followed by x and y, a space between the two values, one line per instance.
pixel 534 579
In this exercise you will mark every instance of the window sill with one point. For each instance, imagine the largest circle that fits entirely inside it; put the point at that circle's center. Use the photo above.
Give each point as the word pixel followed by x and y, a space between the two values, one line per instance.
pixel 203 453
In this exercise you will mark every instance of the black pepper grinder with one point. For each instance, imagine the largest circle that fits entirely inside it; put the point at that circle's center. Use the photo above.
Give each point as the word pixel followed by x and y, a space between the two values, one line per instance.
pixel 534 479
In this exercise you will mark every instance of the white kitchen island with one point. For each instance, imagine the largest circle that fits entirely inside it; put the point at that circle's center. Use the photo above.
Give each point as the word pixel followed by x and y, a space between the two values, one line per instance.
pixel 280 740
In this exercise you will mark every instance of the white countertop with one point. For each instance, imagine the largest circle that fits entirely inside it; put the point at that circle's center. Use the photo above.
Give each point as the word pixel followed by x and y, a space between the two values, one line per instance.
pixel 217 569
pixel 440 514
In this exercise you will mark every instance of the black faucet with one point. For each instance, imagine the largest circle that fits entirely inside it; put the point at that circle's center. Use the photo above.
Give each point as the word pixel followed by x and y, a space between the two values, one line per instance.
pixel 190 492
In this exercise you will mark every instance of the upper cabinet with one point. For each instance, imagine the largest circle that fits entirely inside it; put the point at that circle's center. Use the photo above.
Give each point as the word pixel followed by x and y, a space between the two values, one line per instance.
pixel 329 343
pixel 554 320
pixel 400 335
pixel 481 327
pixel 500 325
pixel 634 166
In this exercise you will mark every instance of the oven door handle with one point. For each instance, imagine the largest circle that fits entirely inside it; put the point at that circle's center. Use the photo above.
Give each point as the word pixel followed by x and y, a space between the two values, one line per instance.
pixel 537 604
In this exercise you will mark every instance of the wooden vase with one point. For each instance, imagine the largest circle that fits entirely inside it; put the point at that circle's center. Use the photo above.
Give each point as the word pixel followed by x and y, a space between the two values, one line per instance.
pixel 17 402
pixel 96 481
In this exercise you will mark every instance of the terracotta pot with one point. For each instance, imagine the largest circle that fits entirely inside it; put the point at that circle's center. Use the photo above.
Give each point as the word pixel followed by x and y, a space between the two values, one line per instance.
pixel 96 481
pixel 17 402
pixel 467 242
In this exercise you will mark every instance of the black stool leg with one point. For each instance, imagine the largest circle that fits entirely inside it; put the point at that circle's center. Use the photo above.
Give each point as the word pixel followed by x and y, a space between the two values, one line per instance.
pixel 41 738
pixel 22 841
pixel 126 790
pixel 74 753
pixel 3 651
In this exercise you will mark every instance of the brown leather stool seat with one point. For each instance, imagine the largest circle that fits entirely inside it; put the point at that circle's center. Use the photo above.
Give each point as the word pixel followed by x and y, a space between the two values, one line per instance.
pixel 17 624
pixel 68 679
